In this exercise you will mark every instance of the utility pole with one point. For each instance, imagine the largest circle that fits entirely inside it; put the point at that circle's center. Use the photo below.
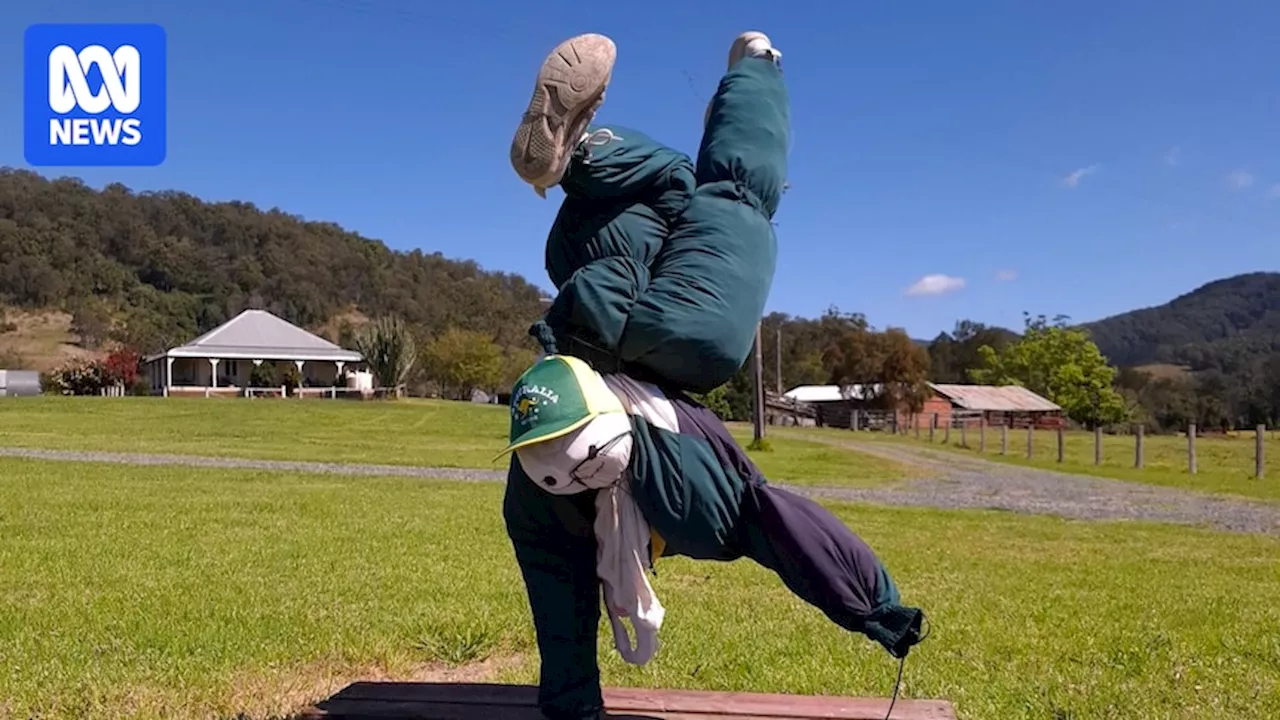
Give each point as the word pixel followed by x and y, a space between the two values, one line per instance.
pixel 778 357
pixel 758 376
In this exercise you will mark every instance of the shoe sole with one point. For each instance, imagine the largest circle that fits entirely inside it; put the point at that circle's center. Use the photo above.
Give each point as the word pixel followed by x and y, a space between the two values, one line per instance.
pixel 571 82
pixel 738 50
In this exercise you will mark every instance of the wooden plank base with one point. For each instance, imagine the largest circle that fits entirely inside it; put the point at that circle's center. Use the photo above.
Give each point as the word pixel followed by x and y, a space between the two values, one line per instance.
pixel 456 701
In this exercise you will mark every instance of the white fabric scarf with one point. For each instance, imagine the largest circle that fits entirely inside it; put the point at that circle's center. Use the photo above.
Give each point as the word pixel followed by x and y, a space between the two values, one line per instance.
pixel 622 562
pixel 622 534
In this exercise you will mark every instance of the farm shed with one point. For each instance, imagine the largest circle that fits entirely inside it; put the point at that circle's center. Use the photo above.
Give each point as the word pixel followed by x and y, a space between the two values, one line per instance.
pixel 831 405
pixel 222 360
pixel 782 410
pixel 1016 406
pixel 1011 405
pixel 16 383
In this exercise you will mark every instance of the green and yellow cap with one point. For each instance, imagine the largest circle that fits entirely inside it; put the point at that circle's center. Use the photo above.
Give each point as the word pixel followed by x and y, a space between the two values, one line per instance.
pixel 554 397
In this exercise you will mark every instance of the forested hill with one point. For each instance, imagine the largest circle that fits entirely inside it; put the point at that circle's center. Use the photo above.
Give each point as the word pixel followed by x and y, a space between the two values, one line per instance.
pixel 1225 325
pixel 164 267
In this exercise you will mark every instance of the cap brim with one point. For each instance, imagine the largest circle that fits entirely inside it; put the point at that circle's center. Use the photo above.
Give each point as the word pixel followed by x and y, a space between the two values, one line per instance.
pixel 543 434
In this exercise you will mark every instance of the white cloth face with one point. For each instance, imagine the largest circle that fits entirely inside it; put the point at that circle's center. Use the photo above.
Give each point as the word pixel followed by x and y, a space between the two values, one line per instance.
pixel 592 457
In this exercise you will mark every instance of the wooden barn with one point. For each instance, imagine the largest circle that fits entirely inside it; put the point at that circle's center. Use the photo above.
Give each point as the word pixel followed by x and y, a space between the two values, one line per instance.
pixel 833 406
pixel 1011 405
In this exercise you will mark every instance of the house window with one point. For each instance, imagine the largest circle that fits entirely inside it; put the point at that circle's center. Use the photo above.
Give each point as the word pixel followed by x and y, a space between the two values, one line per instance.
pixel 232 368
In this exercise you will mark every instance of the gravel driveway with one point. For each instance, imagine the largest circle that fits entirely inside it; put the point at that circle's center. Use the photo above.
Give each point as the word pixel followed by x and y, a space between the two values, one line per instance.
pixel 951 481
pixel 441 473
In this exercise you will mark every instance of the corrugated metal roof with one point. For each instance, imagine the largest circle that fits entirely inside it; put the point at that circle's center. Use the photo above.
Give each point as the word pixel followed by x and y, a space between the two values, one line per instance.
pixel 824 393
pixel 261 335
pixel 1009 398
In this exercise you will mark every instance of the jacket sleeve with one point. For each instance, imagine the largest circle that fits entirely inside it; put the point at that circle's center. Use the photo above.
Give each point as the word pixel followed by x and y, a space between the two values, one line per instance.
pixel 555 547
pixel 598 297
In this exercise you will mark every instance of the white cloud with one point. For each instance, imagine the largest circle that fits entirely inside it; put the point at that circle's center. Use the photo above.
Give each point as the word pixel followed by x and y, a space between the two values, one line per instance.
pixel 1074 177
pixel 1174 156
pixel 1274 191
pixel 937 284
pixel 1240 179
pixel 1007 275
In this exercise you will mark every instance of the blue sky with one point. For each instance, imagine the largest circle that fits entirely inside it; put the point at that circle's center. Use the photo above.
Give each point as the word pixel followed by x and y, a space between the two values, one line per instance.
pixel 1083 158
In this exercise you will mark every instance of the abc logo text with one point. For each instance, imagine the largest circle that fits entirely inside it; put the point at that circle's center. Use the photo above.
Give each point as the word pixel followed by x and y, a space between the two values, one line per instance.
pixel 94 95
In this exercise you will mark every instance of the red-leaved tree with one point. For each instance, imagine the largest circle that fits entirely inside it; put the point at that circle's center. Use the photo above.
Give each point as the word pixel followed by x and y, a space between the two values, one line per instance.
pixel 121 367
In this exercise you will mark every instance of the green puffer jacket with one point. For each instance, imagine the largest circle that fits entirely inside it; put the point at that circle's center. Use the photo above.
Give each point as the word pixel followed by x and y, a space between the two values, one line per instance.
pixel 662 267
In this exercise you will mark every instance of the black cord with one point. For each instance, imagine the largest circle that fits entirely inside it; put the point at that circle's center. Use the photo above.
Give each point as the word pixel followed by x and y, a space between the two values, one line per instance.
pixel 894 700
pixel 902 662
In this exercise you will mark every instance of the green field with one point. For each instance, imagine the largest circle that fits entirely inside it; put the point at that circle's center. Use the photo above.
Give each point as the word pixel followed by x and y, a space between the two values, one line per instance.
pixel 192 593
pixel 178 593
pixel 1224 463
pixel 420 432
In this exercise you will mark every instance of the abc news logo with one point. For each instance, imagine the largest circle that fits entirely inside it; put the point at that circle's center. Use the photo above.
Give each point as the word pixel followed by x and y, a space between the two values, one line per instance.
pixel 69 90
pixel 94 95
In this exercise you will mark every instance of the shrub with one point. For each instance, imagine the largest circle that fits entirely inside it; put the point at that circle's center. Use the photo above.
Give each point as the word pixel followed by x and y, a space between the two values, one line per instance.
pixel 717 401
pixel 388 349
pixel 79 377
pixel 264 375
pixel 121 367
pixel 291 379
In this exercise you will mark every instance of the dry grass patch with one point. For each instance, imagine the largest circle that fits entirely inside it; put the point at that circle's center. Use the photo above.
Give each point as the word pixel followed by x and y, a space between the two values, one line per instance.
pixel 41 339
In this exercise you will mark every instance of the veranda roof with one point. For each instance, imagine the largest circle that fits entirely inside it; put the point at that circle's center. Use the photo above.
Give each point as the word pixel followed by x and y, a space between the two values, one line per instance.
pixel 259 335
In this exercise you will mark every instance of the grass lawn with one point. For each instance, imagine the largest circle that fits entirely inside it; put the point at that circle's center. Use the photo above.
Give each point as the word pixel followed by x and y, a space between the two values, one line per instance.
pixel 417 432
pixel 179 593
pixel 1224 463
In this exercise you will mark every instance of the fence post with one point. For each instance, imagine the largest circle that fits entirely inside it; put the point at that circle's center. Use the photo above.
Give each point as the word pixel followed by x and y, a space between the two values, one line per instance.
pixel 1258 456
pixel 1004 439
pixel 1137 447
pixel 933 424
pixel 946 431
pixel 1191 448
pixel 1097 445
pixel 916 422
pixel 982 434
pixel 964 433
pixel 1060 443
pixel 1031 436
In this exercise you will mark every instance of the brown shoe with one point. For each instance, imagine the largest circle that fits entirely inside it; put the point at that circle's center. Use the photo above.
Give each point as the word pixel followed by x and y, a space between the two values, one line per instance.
pixel 569 90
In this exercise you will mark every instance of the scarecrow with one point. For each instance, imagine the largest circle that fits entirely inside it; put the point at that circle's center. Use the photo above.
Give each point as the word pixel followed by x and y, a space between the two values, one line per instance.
pixel 663 267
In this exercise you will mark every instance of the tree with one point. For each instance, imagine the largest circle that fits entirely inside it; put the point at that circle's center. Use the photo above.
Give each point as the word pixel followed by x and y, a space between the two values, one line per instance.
pixel 1060 363
pixel 121 366
pixel 463 360
pixel 889 366
pixel 388 349
pixel 904 370
pixel 170 267
pixel 514 362
pixel 952 355
pixel 91 321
